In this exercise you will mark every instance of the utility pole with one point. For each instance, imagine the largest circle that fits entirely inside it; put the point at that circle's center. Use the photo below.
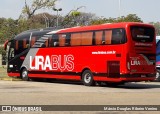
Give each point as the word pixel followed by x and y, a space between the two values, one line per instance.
pixel 119 8
pixel 46 20
pixel 57 10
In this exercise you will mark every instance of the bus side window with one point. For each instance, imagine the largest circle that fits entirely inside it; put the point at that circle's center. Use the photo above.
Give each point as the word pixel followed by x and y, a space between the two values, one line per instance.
pixel 108 36
pixel 16 44
pixel 86 38
pixel 19 46
pixel 75 39
pixel 62 38
pixel 33 39
pixel 54 42
pixel 46 43
pixel 98 37
pixel 117 36
pixel 50 40
pixel 68 39
pixel 24 43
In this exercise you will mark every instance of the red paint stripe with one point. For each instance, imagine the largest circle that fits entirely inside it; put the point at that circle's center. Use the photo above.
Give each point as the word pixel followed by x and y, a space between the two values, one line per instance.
pixel 96 78
pixel 55 76
pixel 13 74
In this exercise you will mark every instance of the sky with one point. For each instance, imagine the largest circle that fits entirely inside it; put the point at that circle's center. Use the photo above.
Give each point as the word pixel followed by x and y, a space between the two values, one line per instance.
pixel 147 10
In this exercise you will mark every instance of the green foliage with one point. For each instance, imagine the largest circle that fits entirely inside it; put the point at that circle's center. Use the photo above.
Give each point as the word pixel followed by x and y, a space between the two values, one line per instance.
pixel 157 27
pixel 75 14
pixel 8 29
pixel 2 51
pixel 29 11
pixel 128 18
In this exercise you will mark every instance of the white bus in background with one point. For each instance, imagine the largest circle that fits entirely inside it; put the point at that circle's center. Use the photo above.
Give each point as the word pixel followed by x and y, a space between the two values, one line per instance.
pixel 157 38
pixel 158 58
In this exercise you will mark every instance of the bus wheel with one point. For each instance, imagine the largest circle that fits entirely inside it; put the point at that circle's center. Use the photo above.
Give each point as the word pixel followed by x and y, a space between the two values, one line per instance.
pixel 87 78
pixel 158 76
pixel 24 75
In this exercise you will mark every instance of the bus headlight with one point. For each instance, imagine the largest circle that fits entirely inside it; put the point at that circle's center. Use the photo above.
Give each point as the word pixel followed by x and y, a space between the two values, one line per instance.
pixel 10 66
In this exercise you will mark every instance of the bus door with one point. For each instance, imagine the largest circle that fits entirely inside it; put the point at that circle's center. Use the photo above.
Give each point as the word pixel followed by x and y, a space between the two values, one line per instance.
pixel 10 53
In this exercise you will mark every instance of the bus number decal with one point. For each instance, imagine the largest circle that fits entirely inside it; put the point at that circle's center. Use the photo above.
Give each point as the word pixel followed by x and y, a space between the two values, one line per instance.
pixel 53 62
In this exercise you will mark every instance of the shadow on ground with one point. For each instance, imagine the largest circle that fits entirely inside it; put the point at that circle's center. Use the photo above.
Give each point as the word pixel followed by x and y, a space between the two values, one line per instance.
pixel 130 85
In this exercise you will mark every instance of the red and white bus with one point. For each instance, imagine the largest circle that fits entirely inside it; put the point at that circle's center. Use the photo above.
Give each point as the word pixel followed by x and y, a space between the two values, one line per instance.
pixel 111 53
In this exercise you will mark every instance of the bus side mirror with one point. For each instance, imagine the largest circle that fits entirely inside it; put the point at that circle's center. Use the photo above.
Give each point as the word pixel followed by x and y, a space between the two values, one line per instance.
pixel 5 45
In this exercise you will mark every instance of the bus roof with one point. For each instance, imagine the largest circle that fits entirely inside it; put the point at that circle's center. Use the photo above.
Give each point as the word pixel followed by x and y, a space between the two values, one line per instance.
pixel 34 32
pixel 99 27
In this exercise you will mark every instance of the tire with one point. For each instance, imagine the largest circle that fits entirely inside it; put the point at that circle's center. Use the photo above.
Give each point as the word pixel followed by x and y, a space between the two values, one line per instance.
pixel 87 78
pixel 24 75
pixel 157 76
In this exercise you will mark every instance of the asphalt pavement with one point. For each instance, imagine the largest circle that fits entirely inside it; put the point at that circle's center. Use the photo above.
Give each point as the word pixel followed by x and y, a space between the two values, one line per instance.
pixel 75 93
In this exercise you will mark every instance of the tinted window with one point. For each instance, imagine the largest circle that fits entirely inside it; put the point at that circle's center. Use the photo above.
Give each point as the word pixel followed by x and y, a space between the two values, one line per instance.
pixel 62 39
pixel 118 36
pixel 54 40
pixel 111 36
pixel 75 39
pixel 98 37
pixel 142 34
pixel 82 38
pixel 21 43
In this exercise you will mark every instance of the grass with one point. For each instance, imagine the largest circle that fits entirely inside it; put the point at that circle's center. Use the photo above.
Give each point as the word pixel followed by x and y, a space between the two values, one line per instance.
pixel 3 72
pixel 4 76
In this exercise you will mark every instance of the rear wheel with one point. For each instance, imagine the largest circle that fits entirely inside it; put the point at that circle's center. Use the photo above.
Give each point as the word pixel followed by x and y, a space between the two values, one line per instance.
pixel 24 75
pixel 158 75
pixel 87 78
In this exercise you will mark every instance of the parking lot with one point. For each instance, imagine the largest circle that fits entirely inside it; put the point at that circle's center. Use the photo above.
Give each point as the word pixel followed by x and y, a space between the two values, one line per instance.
pixel 74 93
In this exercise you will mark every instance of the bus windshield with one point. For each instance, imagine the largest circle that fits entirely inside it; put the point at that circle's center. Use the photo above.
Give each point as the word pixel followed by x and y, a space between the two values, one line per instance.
pixel 10 50
pixel 142 34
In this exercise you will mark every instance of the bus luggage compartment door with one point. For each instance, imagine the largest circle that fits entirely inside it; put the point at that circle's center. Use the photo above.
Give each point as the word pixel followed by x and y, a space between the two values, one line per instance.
pixel 113 69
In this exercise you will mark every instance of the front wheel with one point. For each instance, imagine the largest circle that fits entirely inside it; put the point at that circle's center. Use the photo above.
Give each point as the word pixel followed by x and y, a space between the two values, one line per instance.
pixel 87 78
pixel 24 75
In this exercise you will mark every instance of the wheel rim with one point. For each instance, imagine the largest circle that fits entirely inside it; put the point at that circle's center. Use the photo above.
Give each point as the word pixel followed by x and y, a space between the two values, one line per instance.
pixel 87 77
pixel 157 75
pixel 24 74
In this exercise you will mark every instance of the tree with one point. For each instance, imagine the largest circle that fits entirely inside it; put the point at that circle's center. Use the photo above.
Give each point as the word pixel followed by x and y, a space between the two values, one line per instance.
pixel 29 11
pixel 102 20
pixel 77 18
pixel 157 27
pixel 45 20
pixel 8 29
pixel 128 18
